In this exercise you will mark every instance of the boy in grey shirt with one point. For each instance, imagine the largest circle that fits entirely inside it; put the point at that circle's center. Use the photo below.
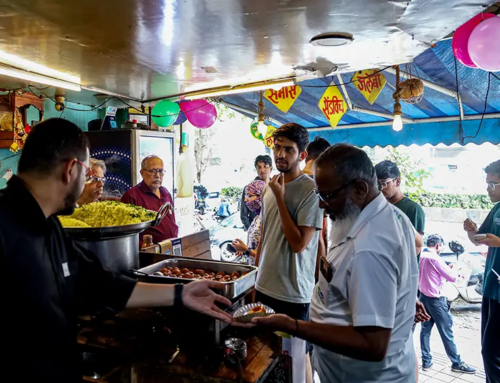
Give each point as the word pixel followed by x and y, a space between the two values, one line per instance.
pixel 291 223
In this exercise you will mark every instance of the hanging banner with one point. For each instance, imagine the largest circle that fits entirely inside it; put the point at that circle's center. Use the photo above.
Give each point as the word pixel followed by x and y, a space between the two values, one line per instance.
pixel 369 84
pixel 284 98
pixel 254 130
pixel 269 140
pixel 333 105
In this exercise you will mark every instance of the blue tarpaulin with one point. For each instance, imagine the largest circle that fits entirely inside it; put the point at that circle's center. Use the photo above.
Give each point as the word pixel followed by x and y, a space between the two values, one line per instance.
pixel 436 65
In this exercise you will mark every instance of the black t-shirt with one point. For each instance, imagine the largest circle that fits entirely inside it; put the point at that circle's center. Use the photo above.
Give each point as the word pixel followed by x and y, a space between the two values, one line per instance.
pixel 44 278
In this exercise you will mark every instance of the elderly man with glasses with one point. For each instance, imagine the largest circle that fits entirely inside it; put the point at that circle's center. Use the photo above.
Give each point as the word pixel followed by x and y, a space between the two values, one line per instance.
pixel 151 195
pixel 363 306
pixel 94 186
pixel 490 316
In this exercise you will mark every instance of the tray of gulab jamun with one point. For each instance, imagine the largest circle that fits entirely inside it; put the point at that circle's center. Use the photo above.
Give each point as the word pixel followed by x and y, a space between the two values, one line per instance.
pixel 236 278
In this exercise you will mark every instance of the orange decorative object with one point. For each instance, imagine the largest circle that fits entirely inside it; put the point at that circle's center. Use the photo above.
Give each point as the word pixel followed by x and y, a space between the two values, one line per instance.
pixel 333 105
pixel 412 90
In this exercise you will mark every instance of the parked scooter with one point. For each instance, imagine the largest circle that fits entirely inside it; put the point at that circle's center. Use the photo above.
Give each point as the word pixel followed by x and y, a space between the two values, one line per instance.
pixel 470 271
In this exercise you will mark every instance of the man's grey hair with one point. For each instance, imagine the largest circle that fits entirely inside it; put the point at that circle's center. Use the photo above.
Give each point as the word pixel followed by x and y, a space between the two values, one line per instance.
pixel 434 239
pixel 349 162
pixel 95 162
pixel 143 163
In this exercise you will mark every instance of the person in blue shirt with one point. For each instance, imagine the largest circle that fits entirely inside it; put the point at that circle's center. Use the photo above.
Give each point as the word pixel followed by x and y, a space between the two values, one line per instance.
pixel 490 316
pixel 223 211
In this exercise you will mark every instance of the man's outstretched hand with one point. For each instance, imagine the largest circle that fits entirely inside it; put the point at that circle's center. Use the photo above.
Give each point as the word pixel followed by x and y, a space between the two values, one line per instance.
pixel 198 296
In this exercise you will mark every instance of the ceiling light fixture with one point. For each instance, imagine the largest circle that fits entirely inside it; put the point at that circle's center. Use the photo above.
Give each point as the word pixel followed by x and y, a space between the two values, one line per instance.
pixel 23 75
pixel 228 90
pixel 18 62
pixel 332 39
pixel 397 123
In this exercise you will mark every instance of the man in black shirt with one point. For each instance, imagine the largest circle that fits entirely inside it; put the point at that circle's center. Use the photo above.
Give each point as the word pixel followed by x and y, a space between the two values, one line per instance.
pixel 45 277
pixel 264 167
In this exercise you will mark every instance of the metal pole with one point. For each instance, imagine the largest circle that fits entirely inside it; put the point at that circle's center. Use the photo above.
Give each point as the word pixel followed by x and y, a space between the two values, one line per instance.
pixel 344 90
pixel 412 121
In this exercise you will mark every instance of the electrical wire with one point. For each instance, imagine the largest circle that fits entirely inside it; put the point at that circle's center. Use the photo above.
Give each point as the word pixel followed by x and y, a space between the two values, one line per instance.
pixel 154 115
pixel 110 98
pixel 485 106
pixel 345 83
pixel 7 158
pixel 74 109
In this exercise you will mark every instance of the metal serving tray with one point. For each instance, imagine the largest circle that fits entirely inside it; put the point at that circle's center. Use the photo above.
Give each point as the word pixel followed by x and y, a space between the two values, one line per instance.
pixel 232 289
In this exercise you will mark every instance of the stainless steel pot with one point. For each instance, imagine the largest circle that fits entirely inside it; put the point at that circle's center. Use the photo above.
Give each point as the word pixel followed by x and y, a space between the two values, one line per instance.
pixel 120 253
pixel 117 247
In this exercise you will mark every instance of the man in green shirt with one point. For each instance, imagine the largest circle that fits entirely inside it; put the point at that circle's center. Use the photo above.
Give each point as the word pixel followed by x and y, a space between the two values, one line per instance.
pixel 389 178
pixel 490 316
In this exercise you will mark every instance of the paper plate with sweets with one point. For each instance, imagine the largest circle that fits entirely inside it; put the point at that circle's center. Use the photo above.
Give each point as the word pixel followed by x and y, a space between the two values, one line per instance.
pixel 246 313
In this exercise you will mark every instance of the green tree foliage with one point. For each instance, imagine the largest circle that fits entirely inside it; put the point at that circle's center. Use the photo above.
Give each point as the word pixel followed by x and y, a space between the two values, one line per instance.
pixel 232 192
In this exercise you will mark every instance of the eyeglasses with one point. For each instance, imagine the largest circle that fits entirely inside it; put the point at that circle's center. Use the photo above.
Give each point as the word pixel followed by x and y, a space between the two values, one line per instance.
pixel 383 184
pixel 491 186
pixel 330 196
pixel 88 173
pixel 94 179
pixel 90 177
pixel 155 171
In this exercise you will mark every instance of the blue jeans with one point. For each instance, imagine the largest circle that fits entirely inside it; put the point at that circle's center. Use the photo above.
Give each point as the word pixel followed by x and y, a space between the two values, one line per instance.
pixel 439 311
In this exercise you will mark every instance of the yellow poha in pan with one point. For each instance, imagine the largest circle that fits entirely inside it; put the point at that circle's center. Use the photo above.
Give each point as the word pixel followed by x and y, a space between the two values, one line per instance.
pixel 107 213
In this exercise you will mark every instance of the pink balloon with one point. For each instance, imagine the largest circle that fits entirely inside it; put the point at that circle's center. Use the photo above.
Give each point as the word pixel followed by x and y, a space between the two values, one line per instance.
pixel 461 37
pixel 484 45
pixel 200 113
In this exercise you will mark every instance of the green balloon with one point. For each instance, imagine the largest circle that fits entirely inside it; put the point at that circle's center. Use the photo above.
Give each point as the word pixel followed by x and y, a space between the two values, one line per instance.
pixel 165 113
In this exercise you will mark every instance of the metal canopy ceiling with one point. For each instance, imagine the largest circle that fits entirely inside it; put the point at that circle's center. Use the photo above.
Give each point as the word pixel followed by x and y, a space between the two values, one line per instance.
pixel 148 49
pixel 436 65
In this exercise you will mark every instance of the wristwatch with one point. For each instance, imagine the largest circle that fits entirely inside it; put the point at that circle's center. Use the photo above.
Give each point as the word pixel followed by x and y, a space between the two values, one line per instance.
pixel 247 252
pixel 178 295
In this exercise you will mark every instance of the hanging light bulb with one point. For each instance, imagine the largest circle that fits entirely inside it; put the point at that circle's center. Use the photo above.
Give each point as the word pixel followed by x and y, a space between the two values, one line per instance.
pixel 397 123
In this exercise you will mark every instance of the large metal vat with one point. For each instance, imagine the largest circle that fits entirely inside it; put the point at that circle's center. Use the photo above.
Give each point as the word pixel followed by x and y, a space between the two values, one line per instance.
pixel 117 247
pixel 120 253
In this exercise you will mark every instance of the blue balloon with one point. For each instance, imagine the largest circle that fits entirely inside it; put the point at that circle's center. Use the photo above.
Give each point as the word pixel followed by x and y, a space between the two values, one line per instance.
pixel 181 118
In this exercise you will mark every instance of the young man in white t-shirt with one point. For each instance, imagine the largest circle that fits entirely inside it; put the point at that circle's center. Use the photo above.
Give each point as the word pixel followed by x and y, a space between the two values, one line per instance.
pixel 291 224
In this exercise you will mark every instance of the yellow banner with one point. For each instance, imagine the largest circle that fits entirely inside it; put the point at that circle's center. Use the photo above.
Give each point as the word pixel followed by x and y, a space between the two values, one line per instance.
pixel 284 98
pixel 269 141
pixel 369 84
pixel 333 105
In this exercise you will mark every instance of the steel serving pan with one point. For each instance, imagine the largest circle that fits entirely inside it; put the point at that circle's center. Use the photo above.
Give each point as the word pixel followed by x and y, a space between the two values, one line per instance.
pixel 232 289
